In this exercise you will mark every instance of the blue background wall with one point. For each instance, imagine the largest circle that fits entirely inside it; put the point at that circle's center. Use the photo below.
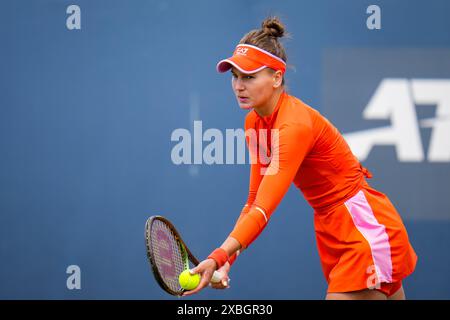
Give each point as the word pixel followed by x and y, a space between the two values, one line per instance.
pixel 86 118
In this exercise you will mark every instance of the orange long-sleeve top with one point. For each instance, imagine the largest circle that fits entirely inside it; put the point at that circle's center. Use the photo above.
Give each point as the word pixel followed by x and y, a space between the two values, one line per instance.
pixel 309 151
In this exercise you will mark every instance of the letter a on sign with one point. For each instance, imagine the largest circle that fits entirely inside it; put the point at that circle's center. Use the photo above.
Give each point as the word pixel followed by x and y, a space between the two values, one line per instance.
pixel 74 20
pixel 74 280
pixel 374 20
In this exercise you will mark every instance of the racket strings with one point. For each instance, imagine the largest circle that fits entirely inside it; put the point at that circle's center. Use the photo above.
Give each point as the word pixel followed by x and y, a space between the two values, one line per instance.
pixel 167 254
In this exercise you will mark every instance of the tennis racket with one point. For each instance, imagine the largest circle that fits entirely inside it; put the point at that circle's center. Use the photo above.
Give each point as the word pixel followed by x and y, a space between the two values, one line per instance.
pixel 168 254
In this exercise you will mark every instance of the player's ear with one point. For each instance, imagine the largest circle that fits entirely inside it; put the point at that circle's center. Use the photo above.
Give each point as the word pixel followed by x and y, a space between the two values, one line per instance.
pixel 277 78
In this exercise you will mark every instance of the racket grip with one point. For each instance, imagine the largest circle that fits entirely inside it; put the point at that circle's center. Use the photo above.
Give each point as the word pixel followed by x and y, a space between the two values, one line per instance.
pixel 216 277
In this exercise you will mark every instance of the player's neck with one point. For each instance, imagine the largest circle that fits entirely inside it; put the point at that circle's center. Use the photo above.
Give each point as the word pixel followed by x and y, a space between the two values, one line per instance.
pixel 268 108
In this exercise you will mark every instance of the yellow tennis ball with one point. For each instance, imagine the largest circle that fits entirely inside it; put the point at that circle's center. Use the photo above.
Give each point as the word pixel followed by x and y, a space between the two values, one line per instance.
pixel 188 281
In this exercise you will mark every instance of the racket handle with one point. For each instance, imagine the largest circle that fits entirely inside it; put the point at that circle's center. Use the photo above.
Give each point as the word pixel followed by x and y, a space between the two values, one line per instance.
pixel 216 277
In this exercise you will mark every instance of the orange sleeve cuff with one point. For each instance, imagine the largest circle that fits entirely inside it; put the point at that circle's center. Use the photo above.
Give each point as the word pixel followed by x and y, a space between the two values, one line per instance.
pixel 249 227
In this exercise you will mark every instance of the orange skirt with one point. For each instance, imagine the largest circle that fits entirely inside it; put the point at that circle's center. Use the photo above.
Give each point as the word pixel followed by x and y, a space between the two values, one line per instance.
pixel 363 244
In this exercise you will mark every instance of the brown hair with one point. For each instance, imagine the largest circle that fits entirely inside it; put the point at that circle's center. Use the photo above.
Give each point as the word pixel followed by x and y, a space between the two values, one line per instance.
pixel 267 36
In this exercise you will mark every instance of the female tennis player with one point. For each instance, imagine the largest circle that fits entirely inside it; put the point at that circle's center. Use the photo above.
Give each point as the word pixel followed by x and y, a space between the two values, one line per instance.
pixel 363 245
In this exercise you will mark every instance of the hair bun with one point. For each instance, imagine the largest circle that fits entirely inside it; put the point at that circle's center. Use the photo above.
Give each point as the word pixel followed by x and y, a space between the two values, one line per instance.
pixel 273 27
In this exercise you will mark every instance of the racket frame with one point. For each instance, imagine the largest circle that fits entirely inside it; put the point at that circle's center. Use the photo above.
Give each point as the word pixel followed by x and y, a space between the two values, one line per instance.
pixel 186 254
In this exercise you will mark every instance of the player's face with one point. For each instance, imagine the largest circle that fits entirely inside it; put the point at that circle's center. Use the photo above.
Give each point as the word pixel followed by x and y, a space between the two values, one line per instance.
pixel 254 90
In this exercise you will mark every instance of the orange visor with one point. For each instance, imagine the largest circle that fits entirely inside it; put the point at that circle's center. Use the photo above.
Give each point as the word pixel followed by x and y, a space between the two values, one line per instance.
pixel 250 59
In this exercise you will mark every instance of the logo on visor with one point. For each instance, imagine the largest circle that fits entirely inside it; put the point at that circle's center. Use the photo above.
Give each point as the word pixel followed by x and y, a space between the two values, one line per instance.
pixel 242 51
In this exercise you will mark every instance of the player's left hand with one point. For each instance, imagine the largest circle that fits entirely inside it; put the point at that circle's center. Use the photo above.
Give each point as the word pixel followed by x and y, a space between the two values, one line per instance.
pixel 224 279
pixel 206 269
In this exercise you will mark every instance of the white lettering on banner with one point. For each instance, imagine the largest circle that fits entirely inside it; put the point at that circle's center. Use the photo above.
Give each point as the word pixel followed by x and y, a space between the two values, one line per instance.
pixel 374 20
pixel 74 280
pixel 435 92
pixel 395 100
pixel 213 153
pixel 74 20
